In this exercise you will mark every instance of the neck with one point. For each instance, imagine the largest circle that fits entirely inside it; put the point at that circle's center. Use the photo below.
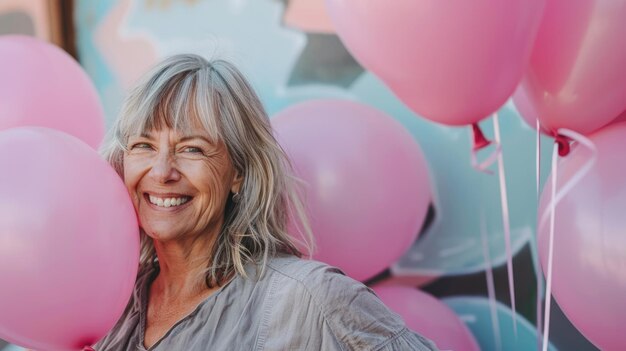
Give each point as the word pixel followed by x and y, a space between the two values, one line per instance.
pixel 182 266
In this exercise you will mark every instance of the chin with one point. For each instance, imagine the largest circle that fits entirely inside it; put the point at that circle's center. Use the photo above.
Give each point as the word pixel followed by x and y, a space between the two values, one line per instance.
pixel 159 234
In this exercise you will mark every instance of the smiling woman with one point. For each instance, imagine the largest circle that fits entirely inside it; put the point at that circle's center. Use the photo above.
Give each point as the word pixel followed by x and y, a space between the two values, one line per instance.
pixel 212 190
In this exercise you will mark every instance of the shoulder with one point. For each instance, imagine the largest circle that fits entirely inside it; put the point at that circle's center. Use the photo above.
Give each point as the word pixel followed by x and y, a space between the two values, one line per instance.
pixel 319 278
pixel 323 283
pixel 300 270
pixel 325 301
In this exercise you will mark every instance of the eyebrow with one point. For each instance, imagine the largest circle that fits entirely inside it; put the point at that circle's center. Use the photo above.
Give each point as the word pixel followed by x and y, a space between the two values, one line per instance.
pixel 148 135
pixel 190 137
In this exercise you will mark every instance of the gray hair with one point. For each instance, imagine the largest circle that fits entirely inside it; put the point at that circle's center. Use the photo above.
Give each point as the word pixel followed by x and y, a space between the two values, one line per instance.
pixel 186 89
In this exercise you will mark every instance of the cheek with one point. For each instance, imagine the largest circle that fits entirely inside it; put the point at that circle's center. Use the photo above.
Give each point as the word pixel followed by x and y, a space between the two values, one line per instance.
pixel 213 183
pixel 132 174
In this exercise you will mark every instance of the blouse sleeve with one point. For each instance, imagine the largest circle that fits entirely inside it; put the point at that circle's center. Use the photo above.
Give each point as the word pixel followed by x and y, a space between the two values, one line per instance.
pixel 319 305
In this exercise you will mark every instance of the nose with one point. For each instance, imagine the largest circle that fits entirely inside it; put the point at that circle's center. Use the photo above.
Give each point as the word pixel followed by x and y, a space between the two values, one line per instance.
pixel 164 168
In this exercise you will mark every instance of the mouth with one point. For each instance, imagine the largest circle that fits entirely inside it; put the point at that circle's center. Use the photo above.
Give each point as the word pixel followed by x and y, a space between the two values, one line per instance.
pixel 167 202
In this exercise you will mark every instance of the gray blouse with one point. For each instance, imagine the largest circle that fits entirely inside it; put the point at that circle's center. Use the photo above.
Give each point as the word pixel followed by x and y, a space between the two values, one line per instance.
pixel 296 305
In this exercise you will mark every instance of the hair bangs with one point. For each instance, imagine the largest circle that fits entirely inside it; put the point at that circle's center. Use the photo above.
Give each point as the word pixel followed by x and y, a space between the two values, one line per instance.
pixel 179 105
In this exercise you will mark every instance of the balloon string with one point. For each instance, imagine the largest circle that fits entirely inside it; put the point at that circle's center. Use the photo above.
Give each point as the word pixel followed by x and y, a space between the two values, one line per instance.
pixel 538 275
pixel 491 290
pixel 567 187
pixel 538 158
pixel 479 142
pixel 546 326
pixel 505 219
pixel 550 213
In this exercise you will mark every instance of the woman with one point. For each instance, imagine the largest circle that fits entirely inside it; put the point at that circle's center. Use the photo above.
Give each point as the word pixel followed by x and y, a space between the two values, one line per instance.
pixel 212 191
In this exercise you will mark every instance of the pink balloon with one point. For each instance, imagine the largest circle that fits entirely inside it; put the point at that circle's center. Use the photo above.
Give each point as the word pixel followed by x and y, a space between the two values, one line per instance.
pixel 589 262
pixel 367 181
pixel 69 241
pixel 577 73
pixel 453 62
pixel 41 85
pixel 428 316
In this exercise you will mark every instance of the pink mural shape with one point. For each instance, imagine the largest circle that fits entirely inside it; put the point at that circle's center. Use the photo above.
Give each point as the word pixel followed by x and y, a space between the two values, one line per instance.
pixel 308 16
pixel 128 54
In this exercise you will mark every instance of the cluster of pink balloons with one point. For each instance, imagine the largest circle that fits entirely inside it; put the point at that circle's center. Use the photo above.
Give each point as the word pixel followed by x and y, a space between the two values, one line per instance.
pixel 69 240
pixel 456 62
pixel 368 189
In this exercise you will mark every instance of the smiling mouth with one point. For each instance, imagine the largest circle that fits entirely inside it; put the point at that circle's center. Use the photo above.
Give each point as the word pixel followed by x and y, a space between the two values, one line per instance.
pixel 167 202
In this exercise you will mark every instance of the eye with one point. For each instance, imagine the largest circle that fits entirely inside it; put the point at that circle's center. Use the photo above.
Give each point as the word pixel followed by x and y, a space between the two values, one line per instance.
pixel 140 146
pixel 192 149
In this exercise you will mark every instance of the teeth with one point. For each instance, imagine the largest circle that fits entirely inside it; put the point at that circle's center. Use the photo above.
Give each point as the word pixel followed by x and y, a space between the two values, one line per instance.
pixel 168 202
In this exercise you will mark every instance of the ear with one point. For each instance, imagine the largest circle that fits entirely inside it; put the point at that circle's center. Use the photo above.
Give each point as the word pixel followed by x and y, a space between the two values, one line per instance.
pixel 237 181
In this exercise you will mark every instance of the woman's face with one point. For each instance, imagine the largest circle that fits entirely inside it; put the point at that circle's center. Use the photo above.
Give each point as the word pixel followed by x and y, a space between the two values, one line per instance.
pixel 179 183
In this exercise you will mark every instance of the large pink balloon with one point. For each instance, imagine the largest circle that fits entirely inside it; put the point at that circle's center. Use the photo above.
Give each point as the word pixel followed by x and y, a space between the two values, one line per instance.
pixel 589 265
pixel 367 182
pixel 69 241
pixel 428 316
pixel 453 62
pixel 577 73
pixel 41 85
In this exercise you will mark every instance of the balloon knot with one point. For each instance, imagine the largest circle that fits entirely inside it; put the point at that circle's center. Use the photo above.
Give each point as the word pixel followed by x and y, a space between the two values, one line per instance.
pixel 479 138
pixel 563 143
